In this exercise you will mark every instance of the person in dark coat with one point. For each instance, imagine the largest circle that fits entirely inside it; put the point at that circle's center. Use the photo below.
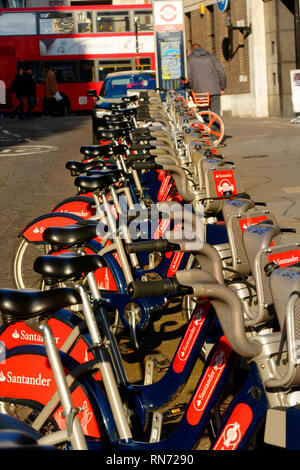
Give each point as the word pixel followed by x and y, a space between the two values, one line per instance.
pixel 18 87
pixel 206 74
pixel 30 92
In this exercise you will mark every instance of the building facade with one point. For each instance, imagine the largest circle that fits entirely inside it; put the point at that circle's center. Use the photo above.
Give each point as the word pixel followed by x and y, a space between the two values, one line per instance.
pixel 256 42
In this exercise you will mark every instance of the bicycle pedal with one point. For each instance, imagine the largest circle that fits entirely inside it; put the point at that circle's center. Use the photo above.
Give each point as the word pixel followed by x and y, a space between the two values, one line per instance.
pixel 157 421
pixel 173 413
pixel 149 369
pixel 161 364
pixel 126 348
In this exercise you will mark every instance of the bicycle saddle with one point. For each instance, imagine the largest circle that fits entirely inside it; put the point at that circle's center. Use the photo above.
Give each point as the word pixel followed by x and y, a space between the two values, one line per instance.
pixel 96 150
pixel 70 235
pixel 130 99
pixel 119 124
pixel 112 117
pixel 80 167
pixel 119 149
pixel 120 105
pixel 112 133
pixel 21 305
pixel 124 112
pixel 60 268
pixel 113 171
pixel 95 182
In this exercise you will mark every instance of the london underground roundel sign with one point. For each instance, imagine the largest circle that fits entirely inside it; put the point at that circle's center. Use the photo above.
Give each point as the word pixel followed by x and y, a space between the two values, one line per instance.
pixel 223 5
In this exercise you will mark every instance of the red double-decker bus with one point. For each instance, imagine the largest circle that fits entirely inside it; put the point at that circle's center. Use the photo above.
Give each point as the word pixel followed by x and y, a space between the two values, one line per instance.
pixel 81 43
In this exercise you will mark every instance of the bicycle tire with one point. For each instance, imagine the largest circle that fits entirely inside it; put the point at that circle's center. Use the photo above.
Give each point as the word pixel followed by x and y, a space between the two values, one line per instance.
pixel 23 274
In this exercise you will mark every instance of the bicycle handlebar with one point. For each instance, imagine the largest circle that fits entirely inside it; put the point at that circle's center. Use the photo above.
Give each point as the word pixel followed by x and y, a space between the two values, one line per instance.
pixel 146 166
pixel 151 245
pixel 153 288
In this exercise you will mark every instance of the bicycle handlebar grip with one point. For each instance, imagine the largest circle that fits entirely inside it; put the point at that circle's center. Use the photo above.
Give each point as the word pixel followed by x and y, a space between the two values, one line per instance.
pixel 151 245
pixel 137 158
pixel 146 166
pixel 288 230
pixel 148 289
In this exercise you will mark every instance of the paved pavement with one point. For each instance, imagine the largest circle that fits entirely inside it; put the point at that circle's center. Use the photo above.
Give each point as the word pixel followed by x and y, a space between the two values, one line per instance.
pixel 33 179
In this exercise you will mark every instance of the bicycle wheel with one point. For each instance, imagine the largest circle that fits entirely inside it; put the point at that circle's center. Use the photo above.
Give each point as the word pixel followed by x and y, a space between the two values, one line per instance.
pixel 27 412
pixel 212 125
pixel 23 274
pixel 27 387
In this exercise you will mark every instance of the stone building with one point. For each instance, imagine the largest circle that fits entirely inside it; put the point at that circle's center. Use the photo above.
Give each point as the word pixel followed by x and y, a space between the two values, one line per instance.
pixel 255 40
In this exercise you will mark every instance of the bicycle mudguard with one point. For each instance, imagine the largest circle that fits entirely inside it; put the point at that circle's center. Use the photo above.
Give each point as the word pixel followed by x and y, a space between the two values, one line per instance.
pixel 27 378
pixel 109 278
pixel 33 231
pixel 81 206
pixel 62 323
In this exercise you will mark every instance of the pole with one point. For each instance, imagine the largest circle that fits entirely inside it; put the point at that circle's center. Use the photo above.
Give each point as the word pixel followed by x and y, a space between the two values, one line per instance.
pixel 137 28
pixel 296 120
pixel 297 33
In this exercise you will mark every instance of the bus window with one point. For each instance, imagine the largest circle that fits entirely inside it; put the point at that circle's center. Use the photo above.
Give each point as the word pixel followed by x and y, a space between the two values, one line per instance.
pixel 65 72
pixel 17 24
pixel 57 23
pixel 145 63
pixel 112 22
pixel 145 19
pixel 86 71
pixel 84 21
pixel 110 66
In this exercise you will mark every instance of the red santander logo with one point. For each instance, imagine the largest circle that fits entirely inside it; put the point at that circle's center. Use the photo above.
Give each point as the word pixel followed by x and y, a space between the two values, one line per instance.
pixel 235 428
pixel 190 337
pixel 209 382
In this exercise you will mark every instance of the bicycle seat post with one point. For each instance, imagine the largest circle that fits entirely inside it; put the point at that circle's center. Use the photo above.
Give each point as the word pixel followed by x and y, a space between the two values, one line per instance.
pixel 123 230
pixel 117 239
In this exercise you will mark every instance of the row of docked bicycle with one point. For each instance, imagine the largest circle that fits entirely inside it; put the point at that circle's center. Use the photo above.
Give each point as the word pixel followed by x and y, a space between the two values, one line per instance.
pixel 159 215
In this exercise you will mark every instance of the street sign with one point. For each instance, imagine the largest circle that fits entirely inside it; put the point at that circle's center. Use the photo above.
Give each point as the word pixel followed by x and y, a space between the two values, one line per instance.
pixel 169 41
pixel 223 5
pixel 168 16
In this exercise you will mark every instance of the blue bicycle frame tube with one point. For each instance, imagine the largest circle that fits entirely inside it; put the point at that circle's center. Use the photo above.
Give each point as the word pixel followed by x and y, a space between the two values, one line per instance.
pixel 244 416
pixel 151 397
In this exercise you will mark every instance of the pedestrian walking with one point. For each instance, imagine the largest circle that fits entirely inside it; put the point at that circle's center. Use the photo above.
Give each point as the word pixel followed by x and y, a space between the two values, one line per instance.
pixel 18 87
pixel 206 74
pixel 53 103
pixel 30 91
